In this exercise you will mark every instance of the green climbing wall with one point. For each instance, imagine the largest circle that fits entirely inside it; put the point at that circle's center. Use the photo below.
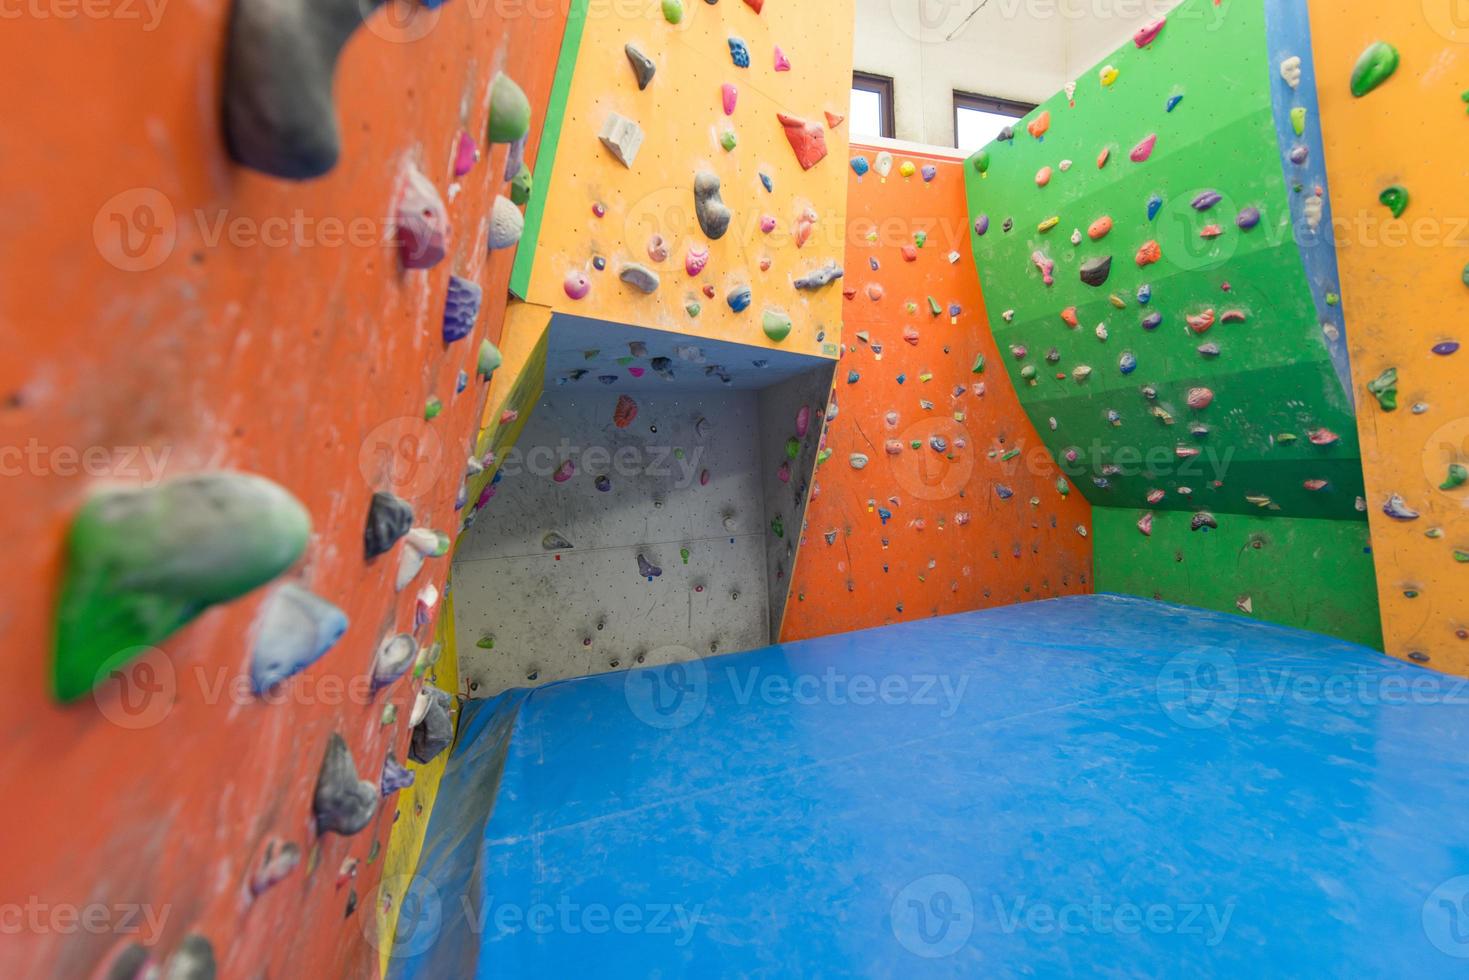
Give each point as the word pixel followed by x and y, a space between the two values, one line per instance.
pixel 1217 396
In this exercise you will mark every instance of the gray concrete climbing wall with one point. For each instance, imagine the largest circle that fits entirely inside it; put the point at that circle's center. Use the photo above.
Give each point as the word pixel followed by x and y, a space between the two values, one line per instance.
pixel 682 475
pixel 792 414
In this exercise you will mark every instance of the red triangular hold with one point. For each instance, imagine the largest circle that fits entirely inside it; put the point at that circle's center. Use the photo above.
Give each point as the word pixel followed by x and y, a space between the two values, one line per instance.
pixel 755 5
pixel 807 139
pixel 833 120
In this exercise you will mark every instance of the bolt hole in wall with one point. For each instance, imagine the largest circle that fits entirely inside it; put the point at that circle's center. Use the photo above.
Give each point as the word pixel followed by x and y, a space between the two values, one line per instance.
pixel 649 512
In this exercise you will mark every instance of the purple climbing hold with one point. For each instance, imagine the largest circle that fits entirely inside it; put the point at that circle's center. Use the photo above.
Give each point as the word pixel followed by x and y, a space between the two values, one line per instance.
pixel 1210 350
pixel 1299 155
pixel 647 569
pixel 1152 321
pixel 603 484
pixel 396 776
pixel 1397 508
pixel 1003 492
pixel 981 224
pixel 1248 218
pixel 1446 348
pixel 1203 521
pixel 929 173
pixel 461 308
pixel 1206 200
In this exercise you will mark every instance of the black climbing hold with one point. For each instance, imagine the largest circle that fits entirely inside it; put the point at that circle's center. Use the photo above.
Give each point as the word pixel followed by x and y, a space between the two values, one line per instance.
pixel 642 65
pixel 1094 272
pixel 388 519
pixel 343 804
pixel 433 734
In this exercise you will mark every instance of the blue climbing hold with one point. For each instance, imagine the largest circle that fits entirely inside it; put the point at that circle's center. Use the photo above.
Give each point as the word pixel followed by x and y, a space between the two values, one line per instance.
pixel 462 382
pixel 769 184
pixel 1127 363
pixel 852 377
pixel 297 628
pixel 860 166
pixel 1173 102
pixel 1155 204
pixel 739 52
pixel 1144 294
pixel 740 298
pixel 902 378
pixel 461 308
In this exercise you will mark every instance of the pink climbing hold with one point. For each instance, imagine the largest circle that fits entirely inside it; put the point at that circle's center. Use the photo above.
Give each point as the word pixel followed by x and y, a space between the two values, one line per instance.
pixel 658 248
pixel 910 335
pixel 636 372
pixel 1143 150
pixel 1155 496
pixel 767 223
pixel 731 97
pixel 696 259
pixel 784 473
pixel 1148 33
pixel 1200 398
pixel 625 412
pixel 874 291
pixel 803 421
pixel 577 284
pixel 564 472
pixel 782 63
pixel 807 139
pixel 422 228
pixel 1233 316
pixel 1211 231
pixel 1047 267
pixel 1145 524
pixel 466 154
pixel 910 254
pixel 1323 437
pixel 805 225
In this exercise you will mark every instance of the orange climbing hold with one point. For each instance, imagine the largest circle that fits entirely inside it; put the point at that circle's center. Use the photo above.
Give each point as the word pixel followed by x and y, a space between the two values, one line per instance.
pixel 1148 254
pixel 1201 322
pixel 1038 126
pixel 1103 157
pixel 1068 317
pixel 1233 316
pixel 1043 176
pixel 1099 228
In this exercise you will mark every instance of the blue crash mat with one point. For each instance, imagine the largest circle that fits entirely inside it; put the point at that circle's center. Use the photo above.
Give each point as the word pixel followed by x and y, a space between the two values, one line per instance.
pixel 1090 786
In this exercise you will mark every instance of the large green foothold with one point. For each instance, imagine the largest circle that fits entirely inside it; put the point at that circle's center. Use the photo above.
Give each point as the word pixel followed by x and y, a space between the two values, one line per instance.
pixel 142 562
pixel 509 110
pixel 490 359
pixel 673 11
pixel 520 187
pixel 777 325
pixel 1385 388
pixel 1375 66
pixel 982 161
pixel 1458 476
pixel 1395 199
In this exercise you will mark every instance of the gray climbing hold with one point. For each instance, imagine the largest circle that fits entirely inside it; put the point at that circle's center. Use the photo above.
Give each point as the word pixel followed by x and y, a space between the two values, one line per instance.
pixel 622 137
pixel 1094 272
pixel 395 776
pixel 822 277
pixel 435 730
pixel 392 660
pixel 193 960
pixel 642 65
pixel 343 804
pixel 507 224
pixel 277 862
pixel 640 277
pixel 388 519
pixel 555 542
pixel 713 214
pixel 279 117
pixel 142 562
pixel 296 629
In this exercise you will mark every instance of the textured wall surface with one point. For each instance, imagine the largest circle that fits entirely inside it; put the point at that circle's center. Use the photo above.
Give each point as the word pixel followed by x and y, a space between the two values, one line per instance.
pixel 1198 380
pixel 168 301
pixel 924 531
pixel 1404 295
pixel 682 120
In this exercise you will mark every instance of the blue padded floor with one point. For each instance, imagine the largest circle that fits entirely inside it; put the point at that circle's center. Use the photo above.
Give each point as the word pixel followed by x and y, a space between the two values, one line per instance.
pixel 1090 786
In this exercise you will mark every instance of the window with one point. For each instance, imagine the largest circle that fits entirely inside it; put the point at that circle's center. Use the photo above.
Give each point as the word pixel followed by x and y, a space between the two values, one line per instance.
pixel 872 105
pixel 978 119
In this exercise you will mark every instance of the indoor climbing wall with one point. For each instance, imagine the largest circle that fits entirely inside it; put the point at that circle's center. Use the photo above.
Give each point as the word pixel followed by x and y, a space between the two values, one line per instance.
pixel 698 184
pixel 1154 245
pixel 638 515
pixel 1393 86
pixel 934 494
pixel 245 407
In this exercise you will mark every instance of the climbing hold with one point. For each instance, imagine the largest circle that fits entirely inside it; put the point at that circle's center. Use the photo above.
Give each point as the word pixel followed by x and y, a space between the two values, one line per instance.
pixel 1395 199
pixel 1211 231
pixel 713 214
pixel 857 460
pixel 1144 294
pixel 776 324
pixel 1148 33
pixel 421 228
pixel 1145 524
pixel 929 172
pixel 739 52
pixel 1385 388
pixel 1445 348
pixel 1200 398
pixel 393 658
pixel 625 411
pixel 395 776
pixel 1206 200
pixel 1375 66
pixel 647 569
pixel 434 729
pixel 1248 218
pixel 1458 475
pixel 673 11
pixel 1048 224
pixel 342 804
pixel 461 308
pixel 1290 70
pixel 739 298
pixel 642 66
pixel 1143 150
pixel 728 140
pixel 1068 317
pixel 782 63
pixel 622 137
pixel 489 359
pixel 576 284
pixel 507 224
pixel 1038 126
pixel 1127 363
pixel 296 629
pixel 808 140
pixel 860 166
pixel 1398 509
pixel 1173 101
pixel 1107 75
pixel 1043 177
pixel 1045 265
pixel 520 186
pixel 564 472
pixel 824 276
pixel 1203 521
pixel 509 110
pixel 466 154
pixel 1094 272
pixel 640 277
pixel 695 261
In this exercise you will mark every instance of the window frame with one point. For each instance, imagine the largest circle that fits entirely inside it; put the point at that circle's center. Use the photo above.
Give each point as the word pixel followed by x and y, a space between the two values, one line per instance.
pixel 988 103
pixel 882 87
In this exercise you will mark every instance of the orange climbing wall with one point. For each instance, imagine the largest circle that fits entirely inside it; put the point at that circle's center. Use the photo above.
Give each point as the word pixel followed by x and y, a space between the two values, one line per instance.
pixel 953 542
pixel 1403 294
pixel 290 345
pixel 682 119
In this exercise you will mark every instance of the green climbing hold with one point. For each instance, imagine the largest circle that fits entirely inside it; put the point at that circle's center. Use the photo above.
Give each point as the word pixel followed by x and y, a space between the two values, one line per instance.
pixel 978 365
pixel 727 140
pixel 693 309
pixel 520 187
pixel 777 325
pixel 142 562
pixel 1298 121
pixel 673 11
pixel 490 359
pixel 793 447
pixel 1458 476
pixel 778 527
pixel 823 456
pixel 509 110
pixel 1461 556
pixel 1385 388
pixel 982 161
pixel 1395 198
pixel 934 307
pixel 684 554
pixel 1375 66
pixel 432 408
pixel 1062 487
pixel 485 643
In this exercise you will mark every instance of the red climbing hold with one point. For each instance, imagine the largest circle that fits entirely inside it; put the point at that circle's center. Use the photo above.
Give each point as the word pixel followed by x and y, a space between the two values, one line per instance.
pixel 1233 316
pixel 910 254
pixel 625 412
pixel 833 120
pixel 755 5
pixel 1211 231
pixel 806 138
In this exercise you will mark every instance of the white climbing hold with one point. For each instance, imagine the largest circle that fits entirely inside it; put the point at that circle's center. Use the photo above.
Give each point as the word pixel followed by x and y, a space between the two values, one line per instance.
pixel 507 224
pixel 622 137
pixel 1290 70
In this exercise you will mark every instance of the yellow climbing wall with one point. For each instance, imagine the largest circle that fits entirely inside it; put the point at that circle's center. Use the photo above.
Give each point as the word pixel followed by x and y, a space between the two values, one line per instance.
pixel 681 114
pixel 1405 297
